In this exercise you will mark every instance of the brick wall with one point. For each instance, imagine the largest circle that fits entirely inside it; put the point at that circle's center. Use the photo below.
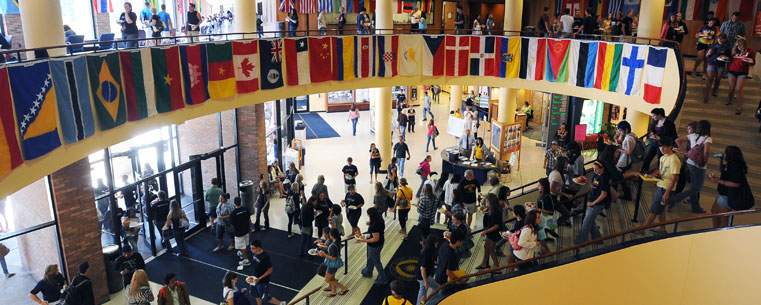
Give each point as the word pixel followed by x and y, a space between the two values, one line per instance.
pixel 102 25
pixel 12 24
pixel 78 224
pixel 252 142
pixel 196 137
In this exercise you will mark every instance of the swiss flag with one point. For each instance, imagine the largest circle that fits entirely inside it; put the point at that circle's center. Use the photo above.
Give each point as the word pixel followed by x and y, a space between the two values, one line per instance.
pixel 320 68
pixel 457 48
pixel 246 62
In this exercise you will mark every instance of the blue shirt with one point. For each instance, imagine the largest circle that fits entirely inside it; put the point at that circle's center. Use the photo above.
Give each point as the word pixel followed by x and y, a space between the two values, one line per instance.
pixel 145 15
pixel 165 19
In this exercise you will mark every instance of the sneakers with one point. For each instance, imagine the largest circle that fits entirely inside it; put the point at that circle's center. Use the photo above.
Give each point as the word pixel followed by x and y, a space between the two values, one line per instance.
pixel 9 275
pixel 217 249
pixel 244 263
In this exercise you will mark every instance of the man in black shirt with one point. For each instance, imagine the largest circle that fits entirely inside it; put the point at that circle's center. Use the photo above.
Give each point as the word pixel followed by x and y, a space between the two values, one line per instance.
pixel 681 30
pixel 307 216
pixel 350 173
pixel 544 21
pixel 401 151
pixel 589 24
pixel 627 22
pixel 128 263
pixel 129 194
pixel 467 189
pixel 84 285
pixel 262 272
pixel 459 21
pixel 241 222
pixel 353 203
pixel 447 261
pixel 158 213
pixel 128 21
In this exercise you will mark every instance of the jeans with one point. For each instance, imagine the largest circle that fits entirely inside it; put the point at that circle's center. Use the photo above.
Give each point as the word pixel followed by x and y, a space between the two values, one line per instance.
pixel 374 261
pixel 266 211
pixel 130 44
pixel 420 188
pixel 306 240
pixel 4 265
pixel 404 131
pixel 354 126
pixel 652 151
pixel 422 292
pixel 427 111
pixel 291 216
pixel 400 165
pixel 431 138
pixel 179 237
pixel 589 225
pixel 697 178
pixel 291 30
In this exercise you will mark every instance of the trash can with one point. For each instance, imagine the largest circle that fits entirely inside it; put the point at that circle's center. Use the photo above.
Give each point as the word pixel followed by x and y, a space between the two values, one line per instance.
pixel 246 190
pixel 300 130
pixel 113 278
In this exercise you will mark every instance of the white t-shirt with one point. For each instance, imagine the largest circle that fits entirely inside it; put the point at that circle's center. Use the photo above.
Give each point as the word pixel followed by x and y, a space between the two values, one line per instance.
pixel 555 176
pixel 567 23
pixel 623 159
pixel 449 188
pixel 527 241
pixel 228 292
pixel 697 140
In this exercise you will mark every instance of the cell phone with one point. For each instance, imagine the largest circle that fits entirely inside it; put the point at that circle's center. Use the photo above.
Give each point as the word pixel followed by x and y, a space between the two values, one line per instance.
pixel 718 155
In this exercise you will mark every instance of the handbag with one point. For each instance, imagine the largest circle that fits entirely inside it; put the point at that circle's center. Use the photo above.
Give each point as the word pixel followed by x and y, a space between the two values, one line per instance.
pixel 184 221
pixel 419 170
pixel 697 154
pixel 403 202
pixel 513 239
pixel 321 270
pixel 4 250
pixel 741 198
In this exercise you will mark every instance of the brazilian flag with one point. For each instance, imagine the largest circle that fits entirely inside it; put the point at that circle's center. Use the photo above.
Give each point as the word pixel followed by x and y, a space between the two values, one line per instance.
pixel 106 86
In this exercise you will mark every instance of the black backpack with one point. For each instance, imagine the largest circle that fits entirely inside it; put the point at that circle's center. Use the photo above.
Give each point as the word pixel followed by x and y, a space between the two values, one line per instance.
pixel 72 295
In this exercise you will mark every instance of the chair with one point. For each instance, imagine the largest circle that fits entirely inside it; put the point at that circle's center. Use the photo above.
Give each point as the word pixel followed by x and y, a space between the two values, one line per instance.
pixel 106 41
pixel 141 35
pixel 74 39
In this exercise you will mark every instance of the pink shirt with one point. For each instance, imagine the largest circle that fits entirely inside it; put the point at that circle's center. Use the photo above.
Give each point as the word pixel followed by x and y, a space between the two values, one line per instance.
pixel 426 168
pixel 353 114
pixel 430 129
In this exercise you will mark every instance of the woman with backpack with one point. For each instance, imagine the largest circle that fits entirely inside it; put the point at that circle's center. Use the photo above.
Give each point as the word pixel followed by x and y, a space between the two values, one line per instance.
pixel 332 259
pixel 733 188
pixel 699 139
pixel 403 200
pixel 433 132
pixel 292 204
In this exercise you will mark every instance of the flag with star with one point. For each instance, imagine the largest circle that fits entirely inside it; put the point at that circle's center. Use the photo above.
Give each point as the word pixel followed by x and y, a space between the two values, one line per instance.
pixel 320 67
pixel 271 63
pixel 35 102
pixel 221 70
pixel 106 87
pixel 296 61
pixel 195 73
pixel 10 154
pixel 167 78
pixel 246 62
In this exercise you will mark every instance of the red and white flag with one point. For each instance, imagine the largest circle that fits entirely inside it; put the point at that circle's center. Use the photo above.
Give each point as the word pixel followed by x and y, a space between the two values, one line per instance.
pixel 482 56
pixel 296 61
pixel 433 55
pixel 457 48
pixel 320 55
pixel 246 62
pixel 364 56
pixel 307 6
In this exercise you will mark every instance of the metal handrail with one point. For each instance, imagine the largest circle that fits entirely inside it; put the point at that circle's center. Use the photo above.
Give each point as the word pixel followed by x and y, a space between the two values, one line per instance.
pixel 675 222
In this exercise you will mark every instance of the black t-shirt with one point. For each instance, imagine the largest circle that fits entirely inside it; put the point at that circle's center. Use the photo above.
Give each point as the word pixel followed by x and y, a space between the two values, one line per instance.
pixel 447 261
pixel 130 198
pixel 307 216
pixel 403 119
pixel 132 264
pixel 459 17
pixel 350 170
pixel 321 220
pixel 546 202
pixel 379 228
pixel 400 98
pixel 517 226
pixel 85 289
pixel 426 261
pixel 627 25
pixel 129 28
pixel 160 210
pixel 262 197
pixel 262 263
pixel 493 218
pixel 733 173
pixel 543 21
pixel 600 183
pixel 590 25
pixel 50 292
pixel 400 150
pixel 577 22
pixel 468 189
pixel 240 218
pixel 354 200
pixel 158 27
pixel 342 20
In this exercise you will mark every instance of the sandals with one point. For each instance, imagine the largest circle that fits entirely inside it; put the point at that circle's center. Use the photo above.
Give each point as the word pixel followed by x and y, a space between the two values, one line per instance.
pixel 344 291
pixel 738 111
pixel 330 295
pixel 326 289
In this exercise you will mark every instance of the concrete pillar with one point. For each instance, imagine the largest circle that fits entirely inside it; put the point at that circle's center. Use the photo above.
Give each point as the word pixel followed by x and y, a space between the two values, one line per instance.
pixel 383 16
pixel 650 23
pixel 383 118
pixel 245 16
pixel 507 96
pixel 455 97
pixel 43 25
pixel 513 16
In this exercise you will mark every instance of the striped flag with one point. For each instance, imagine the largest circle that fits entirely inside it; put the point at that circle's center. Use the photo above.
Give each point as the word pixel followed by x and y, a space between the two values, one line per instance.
pixel 221 70
pixel 320 67
pixel 343 58
pixel 482 57
pixel 106 87
pixel 557 60
pixel 410 55
pixel 533 51
pixel 364 56
pixel 10 154
pixel 102 6
pixel 73 96
pixel 632 64
pixel 135 87
pixel 656 65
pixel 388 52
pixel 34 99
pixel 582 62
pixel 614 6
pixel 168 78
pixel 325 5
pixel 508 54
pixel 307 6
pixel 287 6
pixel 433 55
pixel 246 62
pixel 691 9
pixel 608 66
pixel 296 61
pixel 457 48
pixel 195 73
pixel 745 7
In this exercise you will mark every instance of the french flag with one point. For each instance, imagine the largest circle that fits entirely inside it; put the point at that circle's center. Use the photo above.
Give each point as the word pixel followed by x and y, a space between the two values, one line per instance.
pixel 656 64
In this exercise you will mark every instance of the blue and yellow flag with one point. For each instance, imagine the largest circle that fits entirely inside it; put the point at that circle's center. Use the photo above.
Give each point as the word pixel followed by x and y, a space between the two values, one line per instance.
pixel 106 85
pixel 9 7
pixel 35 102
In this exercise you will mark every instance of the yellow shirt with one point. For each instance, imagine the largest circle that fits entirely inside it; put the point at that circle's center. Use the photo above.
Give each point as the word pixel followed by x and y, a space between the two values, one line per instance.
pixel 479 154
pixel 405 192
pixel 670 165
pixel 391 300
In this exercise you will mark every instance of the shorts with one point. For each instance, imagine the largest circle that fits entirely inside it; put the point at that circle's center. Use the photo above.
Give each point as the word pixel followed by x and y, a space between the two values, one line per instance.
pixel 220 232
pixel 241 242
pixel 470 207
pixel 718 69
pixel 723 202
pixel 656 207
pixel 701 46
pixel 261 291
pixel 331 270
pixel 211 211
pixel 738 74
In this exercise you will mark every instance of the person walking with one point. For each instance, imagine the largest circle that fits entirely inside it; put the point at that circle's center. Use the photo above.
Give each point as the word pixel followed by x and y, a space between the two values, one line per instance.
pixel 660 127
pixel 262 206
pixel 734 28
pixel 158 213
pixel 402 205
pixel 350 173
pixel 433 132
pixel 292 204
pixel 262 274
pixel 706 36
pixel 425 268
pixel 128 20
pixel 718 55
pixel 493 224
pixel 527 239
pixel 332 259
pixel 427 106
pixel 669 173
pixel 411 120
pixel 307 216
pixel 375 230
pixel 743 58
pixel 401 152
pixel 224 224
pixel 353 203
pixel 467 190
pixel 178 221
pixel 212 200
pixel 83 284
pixel 424 170
pixel 173 292
pixel 138 292
pixel 241 222
pixel 49 286
pixel 733 188
pixel 322 212
pixel 598 199
pixel 403 120
pixel 229 288
pixel 698 151
pixel 426 210
pixel 375 162
pixel 459 21
pixel 354 118
pixel 128 263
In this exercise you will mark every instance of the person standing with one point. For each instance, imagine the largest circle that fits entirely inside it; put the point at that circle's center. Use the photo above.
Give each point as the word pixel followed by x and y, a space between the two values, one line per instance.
pixel 628 22
pixel 448 261
pixel 353 203
pixel 128 193
pixel 425 268
pixel 292 204
pixel 332 258
pixel 589 24
pixel 361 25
pixel 307 216
pixel 432 134
pixel 322 212
pixel 566 23
pixel 493 224
pixel 597 200
pixel 350 172
pixel 743 58
pixel 459 21
pixel 212 200
pixel 83 284
pixel 293 22
pixel 375 162
pixel 192 22
pixel 528 239
pixel 4 250
pixel 544 22
pixel 401 151
pixel 411 120
pixel 422 23
pixel 262 206
pixel 375 230
pixel 128 263
pixel 476 26
pixel 178 221
pixel 734 28
pixel 50 286
pixel 425 171
pixel 129 27
pixel 241 222
pixel 426 106
pixel 158 213
pixel 167 20
pixel 173 292
pixel 706 36
pixel 262 271
pixel 320 186
pixel 321 23
pixel 669 173
pixel 224 225
pixel 341 20
pixel 681 28
pixel 479 150
pixel 354 118
pixel 138 292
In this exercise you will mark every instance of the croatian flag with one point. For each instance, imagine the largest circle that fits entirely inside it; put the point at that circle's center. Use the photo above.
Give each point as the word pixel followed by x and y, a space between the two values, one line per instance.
pixel 632 64
pixel 388 50
pixel 656 64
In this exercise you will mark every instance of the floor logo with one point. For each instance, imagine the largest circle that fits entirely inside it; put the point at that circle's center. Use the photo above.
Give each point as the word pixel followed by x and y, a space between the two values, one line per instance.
pixel 404 268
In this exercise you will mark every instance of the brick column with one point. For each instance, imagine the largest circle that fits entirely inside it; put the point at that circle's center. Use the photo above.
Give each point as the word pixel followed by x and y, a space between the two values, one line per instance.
pixel 102 26
pixel 252 143
pixel 12 24
pixel 78 224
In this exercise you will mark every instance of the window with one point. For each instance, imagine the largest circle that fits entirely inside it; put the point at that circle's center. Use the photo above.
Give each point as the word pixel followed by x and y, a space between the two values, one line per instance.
pixel 78 15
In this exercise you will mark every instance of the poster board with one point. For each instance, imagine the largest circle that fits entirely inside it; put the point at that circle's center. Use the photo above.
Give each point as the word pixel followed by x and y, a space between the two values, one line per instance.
pixel 580 133
pixel 506 140
pixel 455 126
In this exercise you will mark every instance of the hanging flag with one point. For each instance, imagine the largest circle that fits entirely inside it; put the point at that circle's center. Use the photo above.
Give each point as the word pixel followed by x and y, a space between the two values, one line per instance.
pixel 433 55
pixel 73 97
pixel 337 5
pixel 457 48
pixel 656 65
pixel 408 6
pixel 608 66
pixel 388 50
pixel 364 56
pixel 271 63
pixel 533 51
pixel 632 64
pixel 9 7
pixel 307 6
pixel 482 55
pixel 426 6
pixel 557 60
pixel 691 9
pixel 102 6
pixel 355 4
pixel 10 154
pixel 320 67
pixel 34 99
pixel 670 7
pixel 221 70
pixel 630 5
pixel 615 6
pixel 326 6
pixel 348 6
pixel 410 55
pixel 106 86
pixel 135 87
pixel 296 61
pixel 745 7
pixel 287 6
pixel 398 6
pixel 246 62
pixel 714 6
pixel 582 62
pixel 508 54
pixel 343 58
pixel 370 6
pixel 166 72
pixel 195 73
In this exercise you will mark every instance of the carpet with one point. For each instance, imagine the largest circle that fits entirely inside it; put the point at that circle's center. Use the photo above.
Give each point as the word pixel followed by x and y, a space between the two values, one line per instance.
pixel 316 126
pixel 401 267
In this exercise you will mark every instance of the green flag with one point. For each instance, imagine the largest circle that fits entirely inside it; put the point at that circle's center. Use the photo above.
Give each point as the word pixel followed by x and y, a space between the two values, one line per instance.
pixel 106 87
pixel 167 79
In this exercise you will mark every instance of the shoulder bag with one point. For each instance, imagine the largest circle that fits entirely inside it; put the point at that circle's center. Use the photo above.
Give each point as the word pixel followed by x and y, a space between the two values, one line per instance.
pixel 697 153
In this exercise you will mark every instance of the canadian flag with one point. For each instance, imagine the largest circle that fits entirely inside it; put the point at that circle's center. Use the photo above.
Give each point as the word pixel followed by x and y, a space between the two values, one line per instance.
pixel 296 61
pixel 246 62
pixel 482 56
pixel 457 48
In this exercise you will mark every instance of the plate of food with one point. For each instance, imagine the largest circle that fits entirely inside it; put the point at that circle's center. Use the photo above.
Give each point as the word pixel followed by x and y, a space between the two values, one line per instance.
pixel 250 279
pixel 446 234
pixel 321 244
pixel 317 213
pixel 505 234
pixel 314 252
pixel 353 207
pixel 580 180
pixel 442 210
pixel 723 58
pixel 748 59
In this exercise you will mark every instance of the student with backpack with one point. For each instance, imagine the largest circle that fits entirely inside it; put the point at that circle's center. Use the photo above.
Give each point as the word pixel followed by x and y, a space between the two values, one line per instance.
pixel 80 291
pixel 402 205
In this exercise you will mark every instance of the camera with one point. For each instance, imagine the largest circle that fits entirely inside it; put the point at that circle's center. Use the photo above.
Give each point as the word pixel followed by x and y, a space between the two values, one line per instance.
pixel 719 155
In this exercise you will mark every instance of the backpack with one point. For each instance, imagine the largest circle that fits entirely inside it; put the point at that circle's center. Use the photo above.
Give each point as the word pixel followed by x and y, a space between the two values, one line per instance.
pixel 638 153
pixel 403 202
pixel 159 27
pixel 385 301
pixel 290 204
pixel 697 153
pixel 72 294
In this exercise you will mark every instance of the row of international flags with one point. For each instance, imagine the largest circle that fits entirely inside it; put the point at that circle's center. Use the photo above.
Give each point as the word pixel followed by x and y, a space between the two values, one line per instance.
pixel 352 6
pixel 101 91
